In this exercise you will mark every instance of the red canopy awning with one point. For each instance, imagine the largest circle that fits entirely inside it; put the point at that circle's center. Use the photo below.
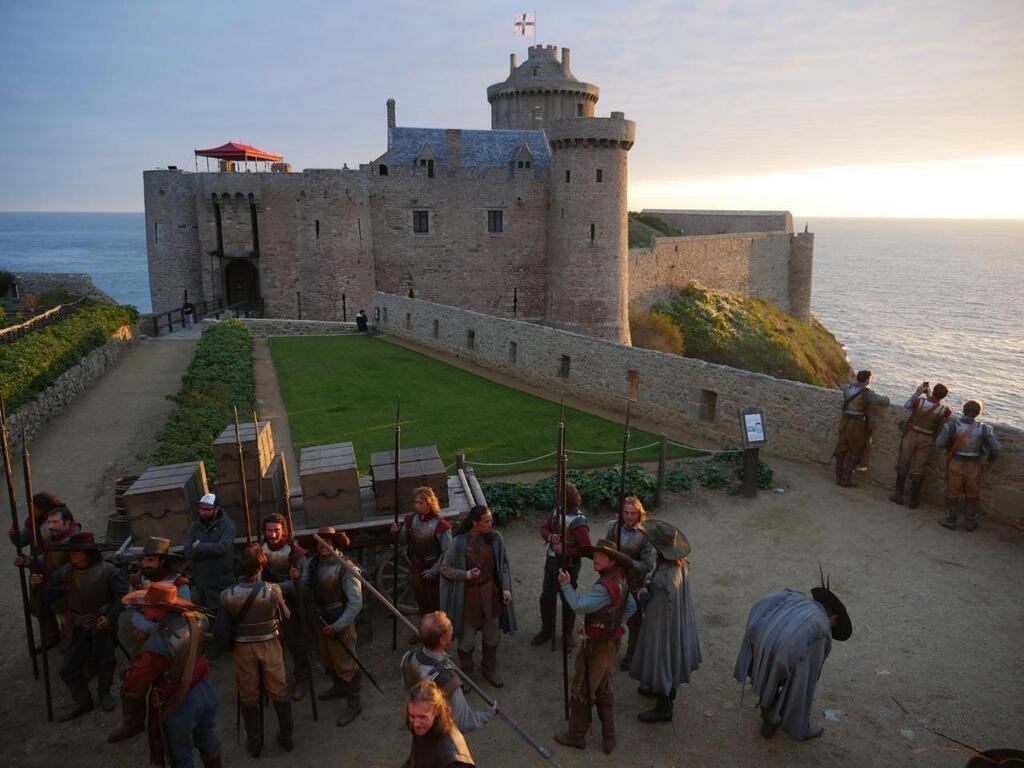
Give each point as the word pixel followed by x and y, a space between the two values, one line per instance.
pixel 241 152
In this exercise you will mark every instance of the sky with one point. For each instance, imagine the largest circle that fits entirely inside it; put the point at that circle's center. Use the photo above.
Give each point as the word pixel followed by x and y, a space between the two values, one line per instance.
pixel 902 109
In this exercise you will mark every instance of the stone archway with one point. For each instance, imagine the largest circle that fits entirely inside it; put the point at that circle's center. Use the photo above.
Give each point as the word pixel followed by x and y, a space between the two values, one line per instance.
pixel 241 281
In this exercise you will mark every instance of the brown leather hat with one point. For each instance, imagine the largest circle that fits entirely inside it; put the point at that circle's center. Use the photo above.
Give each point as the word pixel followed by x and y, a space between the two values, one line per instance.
pixel 621 559
pixel 155 546
pixel 339 539
pixel 159 593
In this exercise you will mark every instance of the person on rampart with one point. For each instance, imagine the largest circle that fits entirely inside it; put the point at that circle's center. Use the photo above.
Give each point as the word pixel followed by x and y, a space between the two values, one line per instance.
pixel 284 555
pixel 854 427
pixel 967 442
pixel 210 545
pixel 437 741
pixel 362 321
pixel 426 537
pixel 578 537
pixel 927 415
pixel 476 591
pixel 249 617
pixel 633 541
pixel 430 662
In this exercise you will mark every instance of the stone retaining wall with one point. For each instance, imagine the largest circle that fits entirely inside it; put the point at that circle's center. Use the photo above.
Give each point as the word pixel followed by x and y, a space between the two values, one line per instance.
pixel 689 394
pixel 264 327
pixel 70 384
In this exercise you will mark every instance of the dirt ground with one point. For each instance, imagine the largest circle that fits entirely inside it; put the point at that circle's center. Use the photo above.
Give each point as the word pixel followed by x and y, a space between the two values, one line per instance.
pixel 937 642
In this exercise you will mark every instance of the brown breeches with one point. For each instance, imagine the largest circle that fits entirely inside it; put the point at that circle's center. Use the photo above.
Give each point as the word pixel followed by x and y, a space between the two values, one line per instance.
pixel 914 452
pixel 336 659
pixel 256 663
pixel 963 477
pixel 853 436
pixel 602 658
pixel 426 591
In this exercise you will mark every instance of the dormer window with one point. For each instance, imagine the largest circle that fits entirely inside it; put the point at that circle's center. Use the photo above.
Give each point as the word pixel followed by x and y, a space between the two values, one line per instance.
pixel 425 160
pixel 534 71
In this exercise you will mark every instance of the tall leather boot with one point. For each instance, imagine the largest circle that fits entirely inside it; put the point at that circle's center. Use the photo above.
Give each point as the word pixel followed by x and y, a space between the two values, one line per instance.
pixel 951 511
pixel 489 666
pixel 547 622
pixel 970 514
pixel 82 700
pixel 251 717
pixel 897 494
pixel 634 636
pixel 849 465
pixel 840 461
pixel 606 713
pixel 285 725
pixel 569 625
pixel 354 699
pixel 661 713
pixel 133 718
pixel 336 690
pixel 106 679
pixel 466 661
pixel 576 734
pixel 211 761
pixel 916 483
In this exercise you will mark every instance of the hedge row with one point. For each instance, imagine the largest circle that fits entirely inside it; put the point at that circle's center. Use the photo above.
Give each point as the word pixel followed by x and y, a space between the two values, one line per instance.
pixel 33 362
pixel 219 378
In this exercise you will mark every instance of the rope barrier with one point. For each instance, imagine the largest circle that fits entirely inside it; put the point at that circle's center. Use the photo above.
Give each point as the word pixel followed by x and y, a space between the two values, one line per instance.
pixel 615 453
pixel 511 463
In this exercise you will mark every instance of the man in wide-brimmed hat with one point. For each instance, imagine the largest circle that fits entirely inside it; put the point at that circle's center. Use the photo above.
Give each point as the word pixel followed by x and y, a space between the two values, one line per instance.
pixel 172 669
pixel 789 635
pixel 668 650
pixel 92 590
pixel 607 606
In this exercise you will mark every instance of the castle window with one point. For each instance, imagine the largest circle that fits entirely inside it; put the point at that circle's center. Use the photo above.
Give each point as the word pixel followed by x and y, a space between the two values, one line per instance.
pixel 563 369
pixel 520 164
pixel 318 229
pixel 382 170
pixel 156 232
pixel 600 175
pixel 359 227
pixel 513 351
pixel 470 339
pixel 591 233
pixel 437 328
pixel 579 110
pixel 423 163
pixel 534 71
pixel 420 222
pixel 495 225
pixel 527 163
pixel 430 169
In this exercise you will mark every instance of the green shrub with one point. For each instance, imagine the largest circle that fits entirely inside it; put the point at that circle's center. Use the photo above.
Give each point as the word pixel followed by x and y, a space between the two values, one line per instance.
pixel 678 478
pixel 653 330
pixel 219 378
pixel 33 362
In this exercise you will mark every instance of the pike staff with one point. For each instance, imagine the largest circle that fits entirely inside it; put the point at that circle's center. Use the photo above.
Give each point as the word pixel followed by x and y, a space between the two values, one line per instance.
pixel 26 467
pixel 394 552
pixel 563 563
pixel 245 489
pixel 11 497
pixel 259 479
pixel 622 479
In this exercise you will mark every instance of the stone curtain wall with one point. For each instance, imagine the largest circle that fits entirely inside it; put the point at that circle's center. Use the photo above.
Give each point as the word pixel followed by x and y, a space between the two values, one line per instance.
pixel 263 327
pixel 75 283
pixel 724 222
pixel 699 397
pixel 69 385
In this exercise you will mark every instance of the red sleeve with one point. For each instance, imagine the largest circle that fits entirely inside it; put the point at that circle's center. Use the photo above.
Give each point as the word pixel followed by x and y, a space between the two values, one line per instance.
pixel 545 528
pixel 442 526
pixel 182 581
pixel 298 552
pixel 143 671
pixel 581 537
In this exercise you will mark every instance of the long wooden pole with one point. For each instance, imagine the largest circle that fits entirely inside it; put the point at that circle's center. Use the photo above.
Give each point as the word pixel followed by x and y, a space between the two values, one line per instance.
pixel 394 553
pixel 259 475
pixel 564 559
pixel 26 468
pixel 622 479
pixel 245 490
pixel 12 498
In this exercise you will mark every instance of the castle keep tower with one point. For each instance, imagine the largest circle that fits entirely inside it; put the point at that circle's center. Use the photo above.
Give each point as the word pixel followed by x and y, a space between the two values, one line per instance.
pixel 540 90
pixel 588 244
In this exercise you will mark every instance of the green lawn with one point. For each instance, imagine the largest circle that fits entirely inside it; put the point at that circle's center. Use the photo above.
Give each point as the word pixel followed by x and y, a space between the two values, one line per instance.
pixel 344 388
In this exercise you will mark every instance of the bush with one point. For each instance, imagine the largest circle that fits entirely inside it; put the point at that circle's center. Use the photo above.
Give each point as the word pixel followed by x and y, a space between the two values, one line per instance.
pixel 219 378
pixel 678 478
pixel 653 330
pixel 33 362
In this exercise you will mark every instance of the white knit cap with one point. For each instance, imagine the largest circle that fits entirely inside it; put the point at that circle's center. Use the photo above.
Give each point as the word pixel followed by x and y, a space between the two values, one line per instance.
pixel 209 500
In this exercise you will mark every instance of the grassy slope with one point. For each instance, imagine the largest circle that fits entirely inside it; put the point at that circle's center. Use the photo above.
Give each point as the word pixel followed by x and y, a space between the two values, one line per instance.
pixel 643 230
pixel 344 389
pixel 756 336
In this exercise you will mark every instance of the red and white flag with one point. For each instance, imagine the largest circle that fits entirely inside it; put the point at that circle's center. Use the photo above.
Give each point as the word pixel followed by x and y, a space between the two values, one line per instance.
pixel 525 24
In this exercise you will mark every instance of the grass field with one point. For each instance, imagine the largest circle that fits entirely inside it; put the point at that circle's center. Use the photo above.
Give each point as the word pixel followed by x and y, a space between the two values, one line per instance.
pixel 339 389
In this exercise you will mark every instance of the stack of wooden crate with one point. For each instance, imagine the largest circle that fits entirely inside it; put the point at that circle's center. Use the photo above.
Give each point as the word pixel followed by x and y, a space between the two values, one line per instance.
pixel 162 501
pixel 261 466
pixel 417 467
pixel 330 485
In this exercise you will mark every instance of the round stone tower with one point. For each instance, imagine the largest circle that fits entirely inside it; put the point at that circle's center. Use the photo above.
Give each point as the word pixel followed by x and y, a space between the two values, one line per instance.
pixel 540 90
pixel 588 243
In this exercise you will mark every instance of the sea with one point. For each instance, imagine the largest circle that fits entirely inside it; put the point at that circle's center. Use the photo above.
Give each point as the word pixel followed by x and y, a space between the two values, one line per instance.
pixel 910 299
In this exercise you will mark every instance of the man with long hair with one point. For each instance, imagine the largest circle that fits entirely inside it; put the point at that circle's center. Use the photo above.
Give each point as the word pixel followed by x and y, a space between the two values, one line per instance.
pixel 632 540
pixel 426 536
pixel 436 741
pixel 284 556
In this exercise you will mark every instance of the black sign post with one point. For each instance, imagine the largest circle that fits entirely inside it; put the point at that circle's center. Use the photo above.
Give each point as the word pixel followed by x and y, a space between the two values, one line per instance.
pixel 753 435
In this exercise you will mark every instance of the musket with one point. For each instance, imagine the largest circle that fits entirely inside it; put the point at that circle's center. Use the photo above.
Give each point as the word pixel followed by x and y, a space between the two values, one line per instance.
pixel 11 497
pixel 26 467
pixel 259 479
pixel 241 472
pixel 300 602
pixel 399 616
pixel 394 553
pixel 352 655
pixel 563 558
pixel 622 479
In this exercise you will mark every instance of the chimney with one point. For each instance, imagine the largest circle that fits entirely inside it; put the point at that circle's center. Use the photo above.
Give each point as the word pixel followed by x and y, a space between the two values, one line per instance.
pixel 391 113
pixel 511 63
pixel 453 142
pixel 565 62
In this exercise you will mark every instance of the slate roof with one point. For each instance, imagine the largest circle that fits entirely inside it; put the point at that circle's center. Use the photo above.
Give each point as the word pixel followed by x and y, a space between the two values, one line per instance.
pixel 481 149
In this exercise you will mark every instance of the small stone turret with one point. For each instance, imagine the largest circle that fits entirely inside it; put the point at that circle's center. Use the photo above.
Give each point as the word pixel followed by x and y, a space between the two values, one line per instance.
pixel 588 243
pixel 540 90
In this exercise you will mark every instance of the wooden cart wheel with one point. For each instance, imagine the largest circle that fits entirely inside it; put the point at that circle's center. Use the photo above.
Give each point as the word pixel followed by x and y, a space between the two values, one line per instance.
pixel 385 580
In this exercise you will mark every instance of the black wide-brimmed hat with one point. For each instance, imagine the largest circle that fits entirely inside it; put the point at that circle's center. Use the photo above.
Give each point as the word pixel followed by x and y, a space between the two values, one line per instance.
pixel 621 559
pixel 842 629
pixel 338 539
pixel 670 542
pixel 155 546
pixel 77 542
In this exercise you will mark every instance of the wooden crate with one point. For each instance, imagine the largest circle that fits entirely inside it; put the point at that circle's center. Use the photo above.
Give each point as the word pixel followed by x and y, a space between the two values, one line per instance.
pixel 330 484
pixel 419 466
pixel 162 501
pixel 271 498
pixel 257 450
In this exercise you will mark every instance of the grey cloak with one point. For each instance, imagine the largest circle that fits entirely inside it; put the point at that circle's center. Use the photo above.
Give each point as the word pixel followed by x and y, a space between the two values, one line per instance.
pixel 668 649
pixel 788 638
pixel 453 582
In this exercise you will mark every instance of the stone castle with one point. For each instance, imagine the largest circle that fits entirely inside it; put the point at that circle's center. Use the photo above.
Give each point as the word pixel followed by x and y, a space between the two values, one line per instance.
pixel 526 220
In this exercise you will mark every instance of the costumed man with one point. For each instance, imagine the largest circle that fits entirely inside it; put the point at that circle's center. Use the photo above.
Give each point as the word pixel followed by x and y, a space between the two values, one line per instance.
pixel 669 649
pixel 430 662
pixel 426 536
pixel 210 546
pixel 967 442
pixel 173 673
pixel 633 541
pixel 337 598
pixel 57 525
pixel 854 428
pixel 476 591
pixel 927 415
pixel 93 590
pixel 789 635
pixel 578 531
pixel 249 618
pixel 437 741
pixel 608 606
pixel 156 565
pixel 283 555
